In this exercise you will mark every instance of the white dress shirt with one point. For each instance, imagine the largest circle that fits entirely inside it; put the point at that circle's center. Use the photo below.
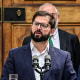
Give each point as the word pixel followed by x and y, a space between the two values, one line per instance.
pixel 41 57
pixel 55 39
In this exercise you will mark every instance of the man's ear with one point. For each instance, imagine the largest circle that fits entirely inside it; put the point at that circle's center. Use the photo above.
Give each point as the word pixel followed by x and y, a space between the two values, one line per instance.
pixel 52 32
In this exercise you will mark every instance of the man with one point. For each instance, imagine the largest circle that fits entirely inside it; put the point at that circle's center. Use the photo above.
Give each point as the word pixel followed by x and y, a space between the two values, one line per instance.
pixel 61 39
pixel 19 60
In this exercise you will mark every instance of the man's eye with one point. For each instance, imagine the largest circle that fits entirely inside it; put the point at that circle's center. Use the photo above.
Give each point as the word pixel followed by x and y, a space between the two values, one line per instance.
pixel 36 23
pixel 44 25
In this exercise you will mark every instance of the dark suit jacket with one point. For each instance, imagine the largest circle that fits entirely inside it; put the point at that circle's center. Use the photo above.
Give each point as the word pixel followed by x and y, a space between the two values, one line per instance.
pixel 79 73
pixel 68 42
pixel 19 62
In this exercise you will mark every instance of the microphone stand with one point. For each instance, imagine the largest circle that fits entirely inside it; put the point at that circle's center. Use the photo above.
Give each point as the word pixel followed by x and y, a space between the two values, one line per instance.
pixel 41 72
pixel 37 67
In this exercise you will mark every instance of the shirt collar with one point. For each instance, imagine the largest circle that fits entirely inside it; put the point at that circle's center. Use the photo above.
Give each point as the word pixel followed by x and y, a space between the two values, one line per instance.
pixel 32 46
pixel 55 34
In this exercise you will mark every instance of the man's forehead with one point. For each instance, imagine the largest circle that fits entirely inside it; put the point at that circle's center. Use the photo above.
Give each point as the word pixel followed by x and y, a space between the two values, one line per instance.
pixel 42 18
pixel 49 9
pixel 46 16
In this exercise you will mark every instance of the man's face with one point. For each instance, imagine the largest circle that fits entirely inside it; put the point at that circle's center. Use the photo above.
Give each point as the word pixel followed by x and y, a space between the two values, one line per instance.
pixel 50 9
pixel 41 29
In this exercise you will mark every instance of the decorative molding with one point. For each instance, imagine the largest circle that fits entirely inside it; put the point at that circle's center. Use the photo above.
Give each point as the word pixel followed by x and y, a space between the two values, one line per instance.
pixel 56 4
pixel 49 0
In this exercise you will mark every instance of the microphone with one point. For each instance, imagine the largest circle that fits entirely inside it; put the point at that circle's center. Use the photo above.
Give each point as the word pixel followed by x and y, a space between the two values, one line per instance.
pixel 47 65
pixel 47 62
pixel 35 61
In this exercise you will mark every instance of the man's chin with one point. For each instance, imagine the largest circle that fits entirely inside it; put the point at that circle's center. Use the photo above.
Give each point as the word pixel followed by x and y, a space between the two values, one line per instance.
pixel 38 36
pixel 40 40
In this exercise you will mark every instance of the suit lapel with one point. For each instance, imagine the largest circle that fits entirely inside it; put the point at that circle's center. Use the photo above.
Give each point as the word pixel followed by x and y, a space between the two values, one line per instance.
pixel 62 39
pixel 52 53
pixel 28 61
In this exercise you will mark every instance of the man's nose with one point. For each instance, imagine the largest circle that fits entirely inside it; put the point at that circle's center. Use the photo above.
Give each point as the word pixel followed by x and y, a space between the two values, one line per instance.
pixel 39 26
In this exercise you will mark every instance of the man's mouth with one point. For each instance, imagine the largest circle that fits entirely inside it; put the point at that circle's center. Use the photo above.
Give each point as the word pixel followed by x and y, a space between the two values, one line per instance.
pixel 37 33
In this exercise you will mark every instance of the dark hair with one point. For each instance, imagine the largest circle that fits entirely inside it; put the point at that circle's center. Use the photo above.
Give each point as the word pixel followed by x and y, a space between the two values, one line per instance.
pixel 44 13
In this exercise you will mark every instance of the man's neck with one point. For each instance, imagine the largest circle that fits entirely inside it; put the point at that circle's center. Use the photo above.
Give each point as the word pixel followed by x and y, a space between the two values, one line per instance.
pixel 40 45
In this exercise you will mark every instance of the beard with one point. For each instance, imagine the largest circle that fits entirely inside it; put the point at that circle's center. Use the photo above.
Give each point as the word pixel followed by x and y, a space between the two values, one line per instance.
pixel 39 39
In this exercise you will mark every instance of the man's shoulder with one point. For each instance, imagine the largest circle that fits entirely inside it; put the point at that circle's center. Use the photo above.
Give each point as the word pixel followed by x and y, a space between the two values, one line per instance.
pixel 60 51
pixel 60 54
pixel 19 49
pixel 27 38
pixel 62 32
